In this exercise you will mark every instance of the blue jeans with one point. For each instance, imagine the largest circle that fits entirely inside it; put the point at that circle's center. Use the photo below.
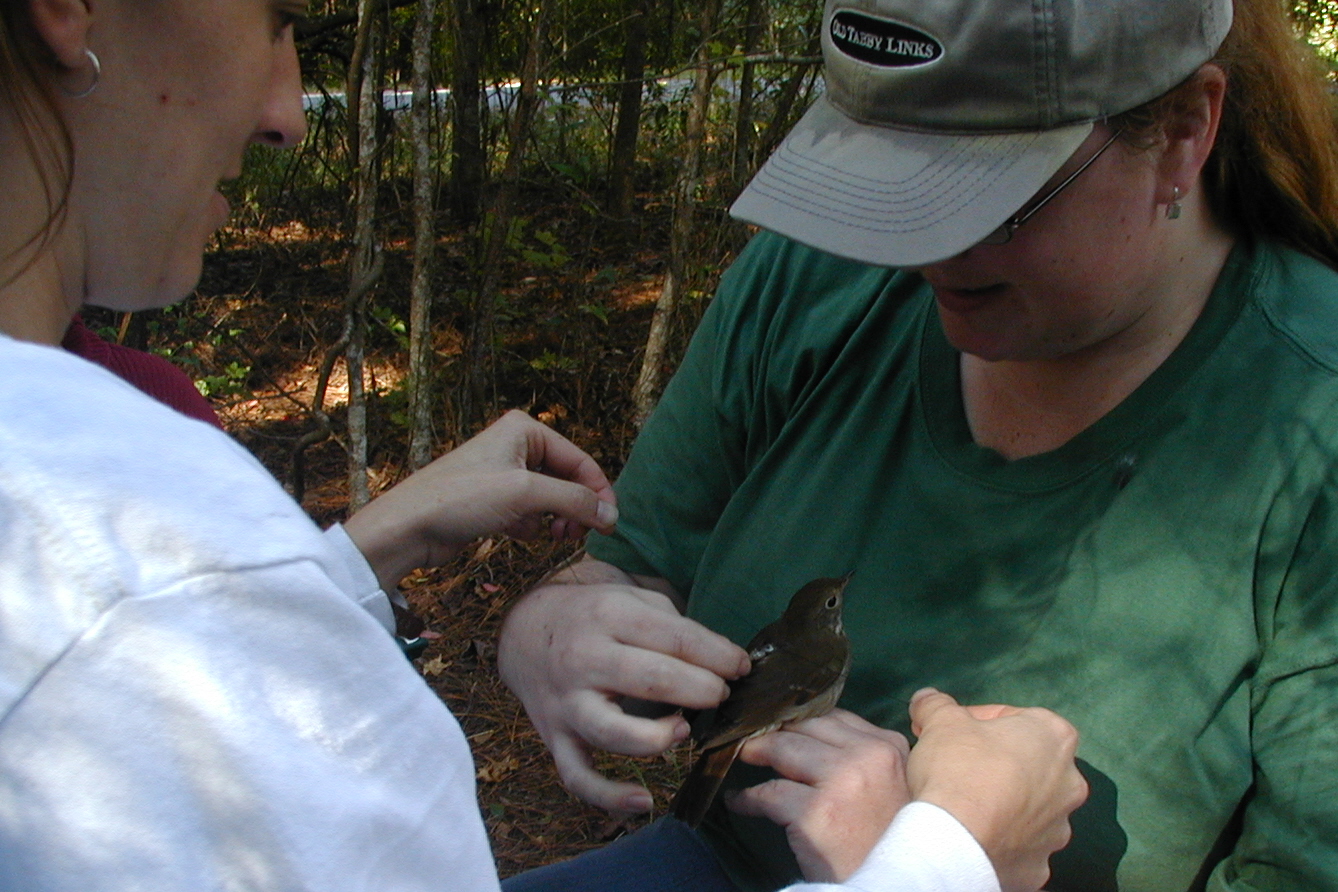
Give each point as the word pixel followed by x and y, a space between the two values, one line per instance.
pixel 667 856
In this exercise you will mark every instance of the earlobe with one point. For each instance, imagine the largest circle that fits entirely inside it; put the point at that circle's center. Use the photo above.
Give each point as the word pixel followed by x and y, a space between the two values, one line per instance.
pixel 1190 135
pixel 63 25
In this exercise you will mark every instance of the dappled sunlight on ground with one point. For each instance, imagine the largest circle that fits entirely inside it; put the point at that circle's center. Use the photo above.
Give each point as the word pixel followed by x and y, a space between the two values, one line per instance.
pixel 291 393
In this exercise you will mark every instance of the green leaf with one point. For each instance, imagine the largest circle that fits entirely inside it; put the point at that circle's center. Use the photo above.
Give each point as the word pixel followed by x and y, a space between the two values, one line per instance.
pixel 599 311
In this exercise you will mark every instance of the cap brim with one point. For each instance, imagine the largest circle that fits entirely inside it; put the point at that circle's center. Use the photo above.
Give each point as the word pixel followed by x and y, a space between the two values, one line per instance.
pixel 897 197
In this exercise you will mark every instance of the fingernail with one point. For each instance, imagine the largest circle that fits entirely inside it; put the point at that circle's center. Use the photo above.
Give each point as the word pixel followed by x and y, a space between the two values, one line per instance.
pixel 923 692
pixel 681 731
pixel 638 802
pixel 607 512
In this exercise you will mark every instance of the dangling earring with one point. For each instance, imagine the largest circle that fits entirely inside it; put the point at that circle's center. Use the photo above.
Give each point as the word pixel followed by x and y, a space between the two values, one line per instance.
pixel 1173 209
pixel 97 74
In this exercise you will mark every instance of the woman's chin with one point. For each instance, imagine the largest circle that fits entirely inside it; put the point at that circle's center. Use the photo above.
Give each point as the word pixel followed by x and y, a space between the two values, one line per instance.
pixel 219 210
pixel 981 343
pixel 169 287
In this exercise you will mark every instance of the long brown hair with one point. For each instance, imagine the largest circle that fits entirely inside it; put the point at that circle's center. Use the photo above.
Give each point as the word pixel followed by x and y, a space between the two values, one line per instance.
pixel 1273 172
pixel 26 105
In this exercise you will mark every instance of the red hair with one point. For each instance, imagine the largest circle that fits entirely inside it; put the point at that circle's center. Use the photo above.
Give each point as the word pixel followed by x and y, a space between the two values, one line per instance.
pixel 1273 172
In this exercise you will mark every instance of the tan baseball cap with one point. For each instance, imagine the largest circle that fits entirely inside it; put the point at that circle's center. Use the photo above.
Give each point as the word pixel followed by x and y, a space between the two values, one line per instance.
pixel 942 118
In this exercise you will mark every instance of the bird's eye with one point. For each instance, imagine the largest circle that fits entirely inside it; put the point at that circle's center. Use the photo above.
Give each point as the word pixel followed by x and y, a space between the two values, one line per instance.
pixel 832 602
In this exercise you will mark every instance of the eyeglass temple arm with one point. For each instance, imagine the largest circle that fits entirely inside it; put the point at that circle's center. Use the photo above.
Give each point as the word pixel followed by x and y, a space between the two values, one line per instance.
pixel 1015 222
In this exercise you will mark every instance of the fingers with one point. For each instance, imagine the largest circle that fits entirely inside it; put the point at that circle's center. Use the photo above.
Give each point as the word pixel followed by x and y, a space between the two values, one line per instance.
pixel 523 469
pixel 583 781
pixel 630 642
pixel 651 664
pixel 841 725
pixel 579 506
pixel 650 621
pixel 570 651
pixel 928 704
pixel 843 780
pixel 605 726
pixel 485 486
pixel 618 640
pixel 925 704
pixel 805 751
pixel 783 801
pixel 550 452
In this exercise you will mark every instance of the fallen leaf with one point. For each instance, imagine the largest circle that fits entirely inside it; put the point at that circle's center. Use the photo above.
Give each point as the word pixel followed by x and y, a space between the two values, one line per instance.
pixel 496 769
pixel 436 666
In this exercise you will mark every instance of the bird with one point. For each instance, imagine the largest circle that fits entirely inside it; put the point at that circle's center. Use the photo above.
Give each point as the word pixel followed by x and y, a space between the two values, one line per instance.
pixel 799 667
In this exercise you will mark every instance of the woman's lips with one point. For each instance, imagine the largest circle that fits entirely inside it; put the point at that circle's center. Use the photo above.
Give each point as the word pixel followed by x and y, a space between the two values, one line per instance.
pixel 964 300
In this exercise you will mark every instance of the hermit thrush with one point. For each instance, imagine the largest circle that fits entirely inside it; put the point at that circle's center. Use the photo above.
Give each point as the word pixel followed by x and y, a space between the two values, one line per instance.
pixel 800 663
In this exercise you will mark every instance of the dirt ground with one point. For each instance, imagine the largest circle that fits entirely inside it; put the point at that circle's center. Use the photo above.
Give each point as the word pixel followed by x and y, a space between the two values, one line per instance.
pixel 569 341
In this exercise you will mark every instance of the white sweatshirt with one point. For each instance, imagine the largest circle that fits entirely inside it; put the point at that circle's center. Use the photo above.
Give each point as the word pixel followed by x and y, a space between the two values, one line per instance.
pixel 198 690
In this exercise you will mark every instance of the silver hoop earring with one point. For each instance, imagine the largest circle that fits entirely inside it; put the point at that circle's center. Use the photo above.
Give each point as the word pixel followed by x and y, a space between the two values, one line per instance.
pixel 1173 209
pixel 97 75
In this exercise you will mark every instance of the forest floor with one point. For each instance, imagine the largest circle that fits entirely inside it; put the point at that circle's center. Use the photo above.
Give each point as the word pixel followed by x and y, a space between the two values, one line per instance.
pixel 572 322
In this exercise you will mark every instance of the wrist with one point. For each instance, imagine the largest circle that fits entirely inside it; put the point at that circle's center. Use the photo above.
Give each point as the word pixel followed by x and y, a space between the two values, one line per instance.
pixel 965 808
pixel 926 847
pixel 392 556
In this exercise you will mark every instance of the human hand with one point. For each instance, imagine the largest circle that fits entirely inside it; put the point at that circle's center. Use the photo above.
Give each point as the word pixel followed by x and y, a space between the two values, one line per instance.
pixel 842 782
pixel 506 480
pixel 1007 774
pixel 573 646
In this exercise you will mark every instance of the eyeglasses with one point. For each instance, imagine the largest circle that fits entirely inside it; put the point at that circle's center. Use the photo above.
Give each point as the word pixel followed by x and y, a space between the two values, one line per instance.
pixel 1004 233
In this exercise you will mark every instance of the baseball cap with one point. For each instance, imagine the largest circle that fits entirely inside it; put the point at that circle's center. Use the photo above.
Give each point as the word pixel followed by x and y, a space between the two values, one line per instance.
pixel 941 118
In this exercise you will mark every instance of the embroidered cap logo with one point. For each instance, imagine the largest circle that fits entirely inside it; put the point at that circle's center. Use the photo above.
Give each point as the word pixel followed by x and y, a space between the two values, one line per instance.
pixel 881 42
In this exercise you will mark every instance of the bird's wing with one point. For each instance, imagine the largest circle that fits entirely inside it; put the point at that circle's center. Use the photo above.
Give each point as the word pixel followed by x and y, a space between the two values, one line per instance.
pixel 766 698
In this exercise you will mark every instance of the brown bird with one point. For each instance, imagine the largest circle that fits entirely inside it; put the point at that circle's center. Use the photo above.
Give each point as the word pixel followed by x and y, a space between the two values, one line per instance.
pixel 800 663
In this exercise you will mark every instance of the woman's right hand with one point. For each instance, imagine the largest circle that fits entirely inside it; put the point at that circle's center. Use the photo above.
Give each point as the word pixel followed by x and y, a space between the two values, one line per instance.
pixel 576 645
pixel 1006 773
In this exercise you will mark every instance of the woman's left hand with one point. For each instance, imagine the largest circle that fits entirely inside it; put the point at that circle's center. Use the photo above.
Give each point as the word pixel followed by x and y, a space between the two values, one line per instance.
pixel 510 479
pixel 843 781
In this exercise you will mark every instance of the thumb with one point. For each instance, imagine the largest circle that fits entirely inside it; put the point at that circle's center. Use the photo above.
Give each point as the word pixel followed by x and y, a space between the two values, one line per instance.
pixel 926 704
pixel 573 502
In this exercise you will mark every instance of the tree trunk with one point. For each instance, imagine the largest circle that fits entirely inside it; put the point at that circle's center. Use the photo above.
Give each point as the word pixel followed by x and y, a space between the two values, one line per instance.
pixel 650 381
pixel 468 161
pixel 781 118
pixel 353 80
pixel 364 251
pixel 323 429
pixel 420 289
pixel 622 156
pixel 743 122
pixel 481 390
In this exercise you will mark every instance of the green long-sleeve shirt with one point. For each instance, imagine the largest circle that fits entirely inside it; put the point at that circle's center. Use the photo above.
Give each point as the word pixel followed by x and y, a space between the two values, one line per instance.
pixel 1167 580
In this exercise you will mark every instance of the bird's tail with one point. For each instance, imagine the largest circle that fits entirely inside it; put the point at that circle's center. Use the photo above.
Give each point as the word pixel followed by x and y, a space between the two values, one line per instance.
pixel 703 782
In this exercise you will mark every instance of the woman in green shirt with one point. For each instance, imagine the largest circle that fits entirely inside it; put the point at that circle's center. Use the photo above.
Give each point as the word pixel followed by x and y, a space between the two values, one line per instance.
pixel 1042 346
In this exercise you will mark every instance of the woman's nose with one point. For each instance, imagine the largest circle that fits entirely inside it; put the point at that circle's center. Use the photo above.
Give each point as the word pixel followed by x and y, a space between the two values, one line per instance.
pixel 283 124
